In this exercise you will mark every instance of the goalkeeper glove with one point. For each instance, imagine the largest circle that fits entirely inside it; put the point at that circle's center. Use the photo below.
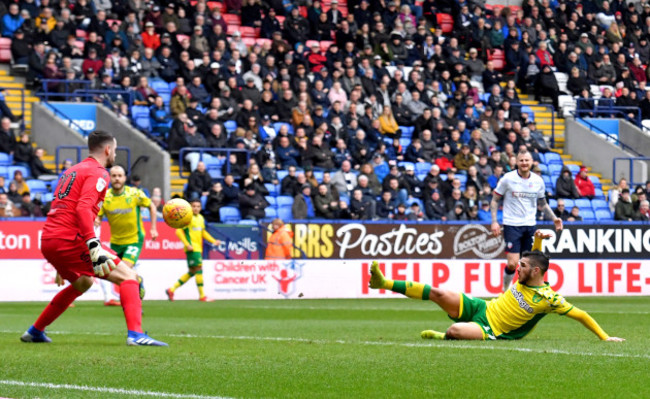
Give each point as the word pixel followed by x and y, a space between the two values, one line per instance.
pixel 102 260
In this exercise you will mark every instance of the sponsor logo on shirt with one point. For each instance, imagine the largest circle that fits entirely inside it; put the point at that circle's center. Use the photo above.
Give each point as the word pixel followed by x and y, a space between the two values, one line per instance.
pixel 101 185
pixel 519 194
pixel 520 299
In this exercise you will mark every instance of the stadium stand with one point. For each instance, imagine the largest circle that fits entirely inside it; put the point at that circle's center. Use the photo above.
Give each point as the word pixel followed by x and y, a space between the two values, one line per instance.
pixel 308 88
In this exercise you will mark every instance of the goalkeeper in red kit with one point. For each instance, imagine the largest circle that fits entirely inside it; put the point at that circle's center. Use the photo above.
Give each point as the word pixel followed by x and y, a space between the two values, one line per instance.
pixel 68 242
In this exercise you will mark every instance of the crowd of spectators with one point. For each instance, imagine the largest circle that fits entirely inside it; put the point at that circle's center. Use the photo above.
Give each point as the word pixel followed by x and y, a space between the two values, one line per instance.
pixel 391 73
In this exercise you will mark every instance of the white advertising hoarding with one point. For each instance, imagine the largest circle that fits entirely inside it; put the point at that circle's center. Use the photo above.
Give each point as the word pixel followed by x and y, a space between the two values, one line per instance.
pixel 33 280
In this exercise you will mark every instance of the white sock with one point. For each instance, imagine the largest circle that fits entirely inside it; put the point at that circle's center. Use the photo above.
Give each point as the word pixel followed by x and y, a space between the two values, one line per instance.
pixel 507 279
pixel 107 289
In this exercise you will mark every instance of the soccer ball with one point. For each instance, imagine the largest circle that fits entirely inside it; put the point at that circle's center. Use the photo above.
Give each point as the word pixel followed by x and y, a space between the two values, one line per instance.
pixel 177 213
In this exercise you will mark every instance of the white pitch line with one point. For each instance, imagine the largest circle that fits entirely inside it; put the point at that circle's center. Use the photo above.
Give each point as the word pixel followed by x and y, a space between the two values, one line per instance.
pixel 119 391
pixel 427 344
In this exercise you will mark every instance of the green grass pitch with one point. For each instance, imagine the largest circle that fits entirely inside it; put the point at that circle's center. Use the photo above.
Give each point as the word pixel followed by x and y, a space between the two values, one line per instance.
pixel 320 349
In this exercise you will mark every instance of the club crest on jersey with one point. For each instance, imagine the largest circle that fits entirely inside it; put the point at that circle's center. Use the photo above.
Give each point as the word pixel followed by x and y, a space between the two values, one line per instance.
pixel 101 185
pixel 509 245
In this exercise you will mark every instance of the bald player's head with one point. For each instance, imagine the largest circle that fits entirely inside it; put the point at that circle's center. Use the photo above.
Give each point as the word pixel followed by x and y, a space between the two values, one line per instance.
pixel 118 178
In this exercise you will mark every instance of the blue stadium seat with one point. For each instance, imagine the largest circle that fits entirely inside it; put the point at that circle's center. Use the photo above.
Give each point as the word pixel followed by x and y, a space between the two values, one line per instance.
pixel 160 86
pixel 285 213
pixel 282 174
pixel 415 200
pixel 278 125
pixel 462 178
pixel 526 109
pixel 145 213
pixel 603 215
pixel 583 203
pixel 271 200
pixel 143 122
pixel 422 167
pixel 204 200
pixel 273 189
pixel 407 132
pixel 422 175
pixel 229 214
pixel 318 174
pixel 5 159
pixel 552 203
pixel 248 222
pixel 270 212
pixel 138 110
pixel 3 172
pixel 345 199
pixel 230 126
pixel 47 197
pixel 215 173
pixel 37 186
pixel 381 171
pixel 597 204
pixel 404 164
pixel 587 215
pixel 548 181
pixel 555 169
pixel 553 158
pixel 284 200
pixel 596 181
pixel 568 204
pixel 575 169
pixel 599 194
pixel 12 169
pixel 404 142
pixel 544 169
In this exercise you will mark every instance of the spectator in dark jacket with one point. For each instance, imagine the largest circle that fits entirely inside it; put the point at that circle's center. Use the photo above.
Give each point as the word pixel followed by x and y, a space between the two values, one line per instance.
pixel 624 209
pixel 216 200
pixel 230 190
pixel 547 86
pixel 303 205
pixel 565 187
pixel 435 207
pixel 199 182
pixel 252 204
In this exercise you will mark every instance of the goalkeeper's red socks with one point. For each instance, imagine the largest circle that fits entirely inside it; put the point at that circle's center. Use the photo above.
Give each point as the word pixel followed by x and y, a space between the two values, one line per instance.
pixel 131 304
pixel 56 307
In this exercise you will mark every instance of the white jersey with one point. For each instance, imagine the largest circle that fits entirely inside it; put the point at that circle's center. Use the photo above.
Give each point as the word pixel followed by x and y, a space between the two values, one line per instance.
pixel 520 198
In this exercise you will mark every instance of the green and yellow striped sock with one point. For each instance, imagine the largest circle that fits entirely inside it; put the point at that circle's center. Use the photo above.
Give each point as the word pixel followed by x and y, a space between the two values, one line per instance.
pixel 199 283
pixel 184 279
pixel 409 288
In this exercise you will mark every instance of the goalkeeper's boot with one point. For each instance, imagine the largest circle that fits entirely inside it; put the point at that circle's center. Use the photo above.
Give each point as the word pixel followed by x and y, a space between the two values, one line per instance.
pixel 142 339
pixel 377 279
pixel 36 336
pixel 206 299
pixel 170 294
pixel 141 283
pixel 431 334
pixel 112 302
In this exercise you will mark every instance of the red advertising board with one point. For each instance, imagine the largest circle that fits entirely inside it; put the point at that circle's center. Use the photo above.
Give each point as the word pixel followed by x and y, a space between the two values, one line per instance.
pixel 21 240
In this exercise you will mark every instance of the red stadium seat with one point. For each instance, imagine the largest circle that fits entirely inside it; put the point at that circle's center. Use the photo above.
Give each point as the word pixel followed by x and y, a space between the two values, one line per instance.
pixel 215 4
pixel 111 21
pixel 248 41
pixel 281 20
pixel 325 44
pixel 232 29
pixel 5 43
pixel 247 31
pixel 262 42
pixel 180 38
pixel 81 34
pixel 5 55
pixel 79 44
pixel 303 11
pixel 232 19
pixel 310 43
pixel 445 22
pixel 498 58
pixel 514 9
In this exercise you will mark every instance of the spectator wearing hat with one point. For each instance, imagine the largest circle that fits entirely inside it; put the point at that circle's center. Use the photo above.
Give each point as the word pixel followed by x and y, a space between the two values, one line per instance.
pixel 20 47
pixel 457 213
pixel 150 38
pixel 547 86
pixel 584 184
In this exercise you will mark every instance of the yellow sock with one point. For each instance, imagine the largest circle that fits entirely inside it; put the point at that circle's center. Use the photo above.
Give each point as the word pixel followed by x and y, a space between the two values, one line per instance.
pixel 184 279
pixel 199 283
pixel 410 289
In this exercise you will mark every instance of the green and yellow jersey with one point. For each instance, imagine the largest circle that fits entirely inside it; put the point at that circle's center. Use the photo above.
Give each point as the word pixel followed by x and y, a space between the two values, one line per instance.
pixel 123 214
pixel 194 234
pixel 516 312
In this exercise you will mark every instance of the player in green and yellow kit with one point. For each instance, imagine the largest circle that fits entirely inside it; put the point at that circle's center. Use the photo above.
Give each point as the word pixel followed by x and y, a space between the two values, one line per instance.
pixel 512 315
pixel 122 209
pixel 192 237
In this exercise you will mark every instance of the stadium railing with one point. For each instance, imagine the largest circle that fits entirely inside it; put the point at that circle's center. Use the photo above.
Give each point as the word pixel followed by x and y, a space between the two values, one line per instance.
pixel 608 110
pixel 45 83
pixel 78 149
pixel 630 169
pixel 203 151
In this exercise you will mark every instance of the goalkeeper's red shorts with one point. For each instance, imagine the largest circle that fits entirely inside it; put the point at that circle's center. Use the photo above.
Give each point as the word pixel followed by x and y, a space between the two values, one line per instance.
pixel 70 258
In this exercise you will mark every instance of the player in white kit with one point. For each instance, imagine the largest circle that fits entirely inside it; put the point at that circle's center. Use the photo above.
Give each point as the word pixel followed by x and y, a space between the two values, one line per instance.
pixel 521 191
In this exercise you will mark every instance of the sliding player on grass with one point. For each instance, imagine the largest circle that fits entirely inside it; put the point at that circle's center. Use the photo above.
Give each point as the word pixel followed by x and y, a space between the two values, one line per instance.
pixel 122 209
pixel 70 245
pixel 512 315
pixel 192 238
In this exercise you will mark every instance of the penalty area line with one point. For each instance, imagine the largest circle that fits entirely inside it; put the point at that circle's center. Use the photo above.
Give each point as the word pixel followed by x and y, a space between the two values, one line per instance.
pixel 118 391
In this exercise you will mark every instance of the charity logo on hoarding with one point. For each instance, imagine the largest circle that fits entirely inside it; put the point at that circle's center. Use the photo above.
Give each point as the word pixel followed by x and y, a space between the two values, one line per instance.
pixel 480 241
pixel 287 277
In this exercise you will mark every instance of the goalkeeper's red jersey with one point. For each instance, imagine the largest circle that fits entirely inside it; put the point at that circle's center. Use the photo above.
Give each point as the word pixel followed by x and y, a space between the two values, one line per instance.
pixel 77 200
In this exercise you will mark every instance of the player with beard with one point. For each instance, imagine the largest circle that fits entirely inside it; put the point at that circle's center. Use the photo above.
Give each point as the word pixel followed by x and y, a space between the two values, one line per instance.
pixel 70 245
pixel 512 315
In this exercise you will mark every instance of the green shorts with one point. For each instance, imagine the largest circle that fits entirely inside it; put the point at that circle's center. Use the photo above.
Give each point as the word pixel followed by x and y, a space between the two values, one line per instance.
pixel 473 310
pixel 129 252
pixel 194 259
